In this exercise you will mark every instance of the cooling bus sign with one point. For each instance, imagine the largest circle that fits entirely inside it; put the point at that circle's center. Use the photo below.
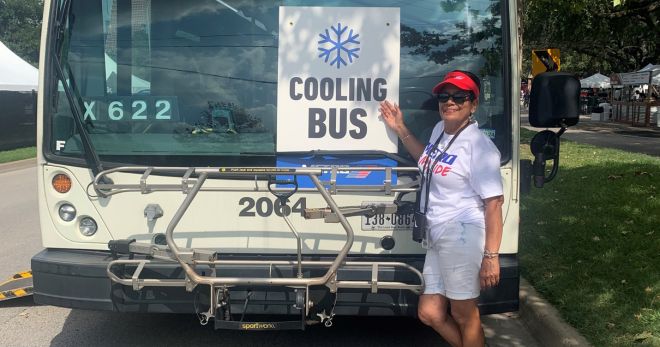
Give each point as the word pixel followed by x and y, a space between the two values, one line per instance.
pixel 335 66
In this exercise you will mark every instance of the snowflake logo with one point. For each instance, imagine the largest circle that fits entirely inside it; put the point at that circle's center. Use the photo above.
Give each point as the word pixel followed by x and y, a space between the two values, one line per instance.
pixel 334 47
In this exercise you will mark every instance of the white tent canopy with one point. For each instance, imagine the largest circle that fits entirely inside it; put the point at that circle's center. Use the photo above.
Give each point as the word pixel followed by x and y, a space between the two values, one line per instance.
pixel 595 81
pixel 655 71
pixel 15 73
pixel 138 84
pixel 650 67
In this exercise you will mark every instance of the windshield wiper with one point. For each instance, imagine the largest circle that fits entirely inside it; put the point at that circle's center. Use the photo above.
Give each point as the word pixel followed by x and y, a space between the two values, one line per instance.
pixel 90 155
pixel 395 157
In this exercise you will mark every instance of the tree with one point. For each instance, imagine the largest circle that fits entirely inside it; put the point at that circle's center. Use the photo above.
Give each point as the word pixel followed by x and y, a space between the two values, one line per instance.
pixel 441 48
pixel 20 27
pixel 593 35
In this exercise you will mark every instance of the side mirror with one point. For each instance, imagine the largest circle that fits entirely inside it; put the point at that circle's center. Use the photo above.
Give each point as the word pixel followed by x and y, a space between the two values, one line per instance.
pixel 554 103
pixel 554 100
pixel 544 146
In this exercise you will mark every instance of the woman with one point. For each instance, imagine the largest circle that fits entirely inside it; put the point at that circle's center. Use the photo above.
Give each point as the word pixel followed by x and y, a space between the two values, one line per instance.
pixel 464 213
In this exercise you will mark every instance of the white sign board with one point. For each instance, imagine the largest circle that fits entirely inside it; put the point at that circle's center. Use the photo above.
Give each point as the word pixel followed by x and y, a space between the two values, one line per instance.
pixel 336 65
pixel 635 77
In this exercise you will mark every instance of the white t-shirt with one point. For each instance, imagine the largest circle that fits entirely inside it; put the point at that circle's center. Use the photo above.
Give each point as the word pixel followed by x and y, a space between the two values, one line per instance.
pixel 467 173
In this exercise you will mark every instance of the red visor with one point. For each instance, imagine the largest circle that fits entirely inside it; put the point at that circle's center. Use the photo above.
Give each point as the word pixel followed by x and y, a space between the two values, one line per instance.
pixel 460 80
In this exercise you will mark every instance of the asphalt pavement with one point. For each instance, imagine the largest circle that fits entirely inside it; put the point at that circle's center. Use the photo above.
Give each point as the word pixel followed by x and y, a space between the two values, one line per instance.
pixel 611 134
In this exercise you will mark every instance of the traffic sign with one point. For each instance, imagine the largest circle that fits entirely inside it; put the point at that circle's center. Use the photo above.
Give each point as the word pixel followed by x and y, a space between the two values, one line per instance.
pixel 544 60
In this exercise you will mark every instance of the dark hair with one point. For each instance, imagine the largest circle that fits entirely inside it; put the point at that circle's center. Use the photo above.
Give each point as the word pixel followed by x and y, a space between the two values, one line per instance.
pixel 473 77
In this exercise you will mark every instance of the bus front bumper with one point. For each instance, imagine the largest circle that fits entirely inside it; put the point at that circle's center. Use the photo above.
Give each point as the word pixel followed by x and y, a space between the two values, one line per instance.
pixel 78 279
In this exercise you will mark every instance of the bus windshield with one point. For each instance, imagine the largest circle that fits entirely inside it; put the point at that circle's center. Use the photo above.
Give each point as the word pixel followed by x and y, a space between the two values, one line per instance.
pixel 168 81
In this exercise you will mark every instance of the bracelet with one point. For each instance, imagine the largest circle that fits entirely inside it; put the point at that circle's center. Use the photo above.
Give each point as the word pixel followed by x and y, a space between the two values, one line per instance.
pixel 490 255
pixel 405 137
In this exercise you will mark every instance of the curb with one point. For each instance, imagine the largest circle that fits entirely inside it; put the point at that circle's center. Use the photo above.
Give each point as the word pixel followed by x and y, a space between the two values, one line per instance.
pixel 17 165
pixel 544 322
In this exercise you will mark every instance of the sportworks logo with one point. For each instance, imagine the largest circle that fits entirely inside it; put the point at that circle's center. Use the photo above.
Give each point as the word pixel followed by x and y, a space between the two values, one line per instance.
pixel 332 45
pixel 258 326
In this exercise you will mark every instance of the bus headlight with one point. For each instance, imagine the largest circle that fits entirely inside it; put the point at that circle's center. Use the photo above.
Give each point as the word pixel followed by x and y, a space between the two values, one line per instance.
pixel 67 212
pixel 87 226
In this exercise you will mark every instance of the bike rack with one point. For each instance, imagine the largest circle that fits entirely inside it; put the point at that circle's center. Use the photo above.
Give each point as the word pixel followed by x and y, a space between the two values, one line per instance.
pixel 192 182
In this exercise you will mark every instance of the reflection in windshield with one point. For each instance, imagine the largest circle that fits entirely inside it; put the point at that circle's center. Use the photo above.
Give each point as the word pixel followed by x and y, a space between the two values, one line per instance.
pixel 179 78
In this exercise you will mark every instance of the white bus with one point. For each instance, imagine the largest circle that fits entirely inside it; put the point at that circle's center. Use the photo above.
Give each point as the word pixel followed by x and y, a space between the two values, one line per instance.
pixel 226 159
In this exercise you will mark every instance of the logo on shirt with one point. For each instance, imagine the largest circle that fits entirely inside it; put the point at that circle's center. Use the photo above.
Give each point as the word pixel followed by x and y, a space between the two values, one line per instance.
pixel 444 163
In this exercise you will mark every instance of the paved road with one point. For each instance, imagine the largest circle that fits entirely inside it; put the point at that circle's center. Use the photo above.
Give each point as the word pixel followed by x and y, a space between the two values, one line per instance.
pixel 22 323
pixel 19 220
pixel 611 135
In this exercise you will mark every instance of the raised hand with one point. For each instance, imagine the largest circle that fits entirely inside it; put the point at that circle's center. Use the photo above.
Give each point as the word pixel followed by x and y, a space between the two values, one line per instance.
pixel 392 116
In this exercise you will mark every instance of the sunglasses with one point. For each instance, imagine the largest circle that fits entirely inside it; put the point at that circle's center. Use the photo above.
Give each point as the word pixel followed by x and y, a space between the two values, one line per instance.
pixel 459 97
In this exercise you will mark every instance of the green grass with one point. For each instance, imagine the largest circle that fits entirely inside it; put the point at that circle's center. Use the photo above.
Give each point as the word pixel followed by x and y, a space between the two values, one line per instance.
pixel 17 154
pixel 590 243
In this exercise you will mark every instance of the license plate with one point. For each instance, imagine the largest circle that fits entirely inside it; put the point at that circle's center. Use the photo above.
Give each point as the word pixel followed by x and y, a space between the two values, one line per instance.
pixel 389 221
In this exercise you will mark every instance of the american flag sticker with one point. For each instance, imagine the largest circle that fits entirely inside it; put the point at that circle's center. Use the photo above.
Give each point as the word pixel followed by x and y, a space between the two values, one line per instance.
pixel 358 174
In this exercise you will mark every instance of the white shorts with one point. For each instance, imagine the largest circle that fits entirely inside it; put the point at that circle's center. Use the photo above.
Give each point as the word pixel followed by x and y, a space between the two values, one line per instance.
pixel 453 260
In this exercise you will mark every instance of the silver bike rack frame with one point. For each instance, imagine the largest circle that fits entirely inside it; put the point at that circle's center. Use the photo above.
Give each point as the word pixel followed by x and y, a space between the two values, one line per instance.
pixel 192 182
